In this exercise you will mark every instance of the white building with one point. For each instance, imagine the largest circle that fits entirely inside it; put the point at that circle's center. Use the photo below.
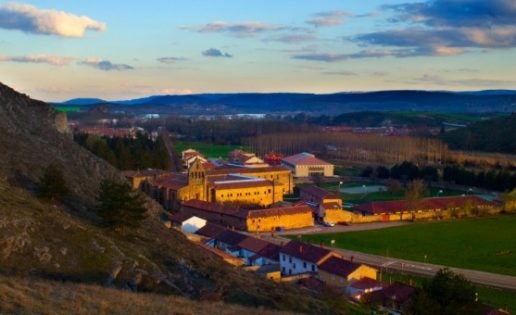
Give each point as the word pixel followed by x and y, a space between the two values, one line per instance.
pixel 297 258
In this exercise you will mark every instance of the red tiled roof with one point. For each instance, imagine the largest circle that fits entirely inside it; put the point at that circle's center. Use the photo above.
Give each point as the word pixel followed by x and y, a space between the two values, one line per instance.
pixel 397 292
pixel 270 251
pixel 210 230
pixel 304 251
pixel 304 159
pixel 319 192
pixel 260 213
pixel 215 207
pixel 253 244
pixel 442 203
pixel 172 180
pixel 180 217
pixel 230 237
pixel 338 266
pixel 245 170
pixel 366 283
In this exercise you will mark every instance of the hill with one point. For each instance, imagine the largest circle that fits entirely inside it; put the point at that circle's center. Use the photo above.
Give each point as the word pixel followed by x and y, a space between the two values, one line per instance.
pixel 63 241
pixel 328 104
pixel 493 135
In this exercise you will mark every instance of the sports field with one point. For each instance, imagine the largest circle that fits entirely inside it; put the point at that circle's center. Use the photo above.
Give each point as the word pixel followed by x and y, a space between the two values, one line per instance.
pixel 487 244
pixel 209 150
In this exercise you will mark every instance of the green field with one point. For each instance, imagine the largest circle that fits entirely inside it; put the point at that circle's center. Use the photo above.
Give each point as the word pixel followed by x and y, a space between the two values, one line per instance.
pixel 209 150
pixel 487 244
pixel 495 297
pixel 68 109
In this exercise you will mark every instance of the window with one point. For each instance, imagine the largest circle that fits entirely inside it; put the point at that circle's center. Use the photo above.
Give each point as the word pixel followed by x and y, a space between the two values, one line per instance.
pixel 313 268
pixel 304 264
pixel 290 259
pixel 284 257
pixel 294 265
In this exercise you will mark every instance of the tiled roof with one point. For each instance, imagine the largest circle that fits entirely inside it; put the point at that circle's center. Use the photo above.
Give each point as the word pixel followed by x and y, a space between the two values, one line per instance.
pixel 366 283
pixel 319 192
pixel 304 159
pixel 245 170
pixel 260 213
pixel 210 230
pixel 144 173
pixel 397 292
pixel 230 237
pixel 172 180
pixel 180 217
pixel 253 244
pixel 270 251
pixel 442 203
pixel 304 251
pixel 338 266
pixel 215 207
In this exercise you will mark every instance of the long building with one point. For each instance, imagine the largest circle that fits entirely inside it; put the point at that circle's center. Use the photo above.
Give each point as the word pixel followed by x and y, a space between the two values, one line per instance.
pixel 257 220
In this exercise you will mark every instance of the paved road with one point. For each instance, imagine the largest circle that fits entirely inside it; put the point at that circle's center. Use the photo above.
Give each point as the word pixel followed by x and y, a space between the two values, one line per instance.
pixel 417 268
pixel 344 228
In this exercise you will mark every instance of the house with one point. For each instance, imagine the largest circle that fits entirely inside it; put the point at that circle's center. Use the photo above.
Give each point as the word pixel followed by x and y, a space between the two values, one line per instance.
pixel 273 158
pixel 395 297
pixel 230 259
pixel 306 165
pixel 338 272
pixel 297 258
pixel 187 222
pixel 321 199
pixel 137 178
pixel 190 155
pixel 363 286
pixel 247 159
pixel 228 241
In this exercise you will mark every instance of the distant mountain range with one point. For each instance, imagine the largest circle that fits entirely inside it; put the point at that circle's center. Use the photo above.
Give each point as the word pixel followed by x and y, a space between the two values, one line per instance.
pixel 337 103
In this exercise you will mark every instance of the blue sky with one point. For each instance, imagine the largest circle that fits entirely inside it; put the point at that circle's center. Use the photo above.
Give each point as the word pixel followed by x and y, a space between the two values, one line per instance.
pixel 56 50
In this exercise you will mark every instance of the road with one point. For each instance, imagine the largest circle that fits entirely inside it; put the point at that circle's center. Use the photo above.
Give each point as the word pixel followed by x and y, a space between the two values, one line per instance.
pixel 318 229
pixel 412 267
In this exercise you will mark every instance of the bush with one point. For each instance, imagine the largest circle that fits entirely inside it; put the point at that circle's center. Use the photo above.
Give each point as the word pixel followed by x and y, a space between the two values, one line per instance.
pixel 119 206
pixel 52 185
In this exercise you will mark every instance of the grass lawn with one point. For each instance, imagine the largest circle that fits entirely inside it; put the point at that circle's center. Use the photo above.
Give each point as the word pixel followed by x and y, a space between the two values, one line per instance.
pixel 208 149
pixel 505 299
pixel 486 244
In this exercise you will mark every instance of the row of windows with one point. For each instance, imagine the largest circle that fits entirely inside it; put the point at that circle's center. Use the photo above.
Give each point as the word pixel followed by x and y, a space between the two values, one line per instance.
pixel 247 194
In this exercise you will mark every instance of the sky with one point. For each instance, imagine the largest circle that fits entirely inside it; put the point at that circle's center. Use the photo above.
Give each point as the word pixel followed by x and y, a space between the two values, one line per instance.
pixel 55 50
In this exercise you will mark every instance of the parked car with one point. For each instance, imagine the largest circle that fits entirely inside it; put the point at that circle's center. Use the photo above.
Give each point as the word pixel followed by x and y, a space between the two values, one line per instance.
pixel 329 224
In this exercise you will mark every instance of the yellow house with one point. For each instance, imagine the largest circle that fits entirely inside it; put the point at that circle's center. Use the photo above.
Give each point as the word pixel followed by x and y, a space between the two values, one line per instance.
pixel 136 178
pixel 338 272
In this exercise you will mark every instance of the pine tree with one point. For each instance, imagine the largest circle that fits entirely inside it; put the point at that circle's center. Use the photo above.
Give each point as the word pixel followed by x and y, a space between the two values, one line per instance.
pixel 119 206
pixel 52 185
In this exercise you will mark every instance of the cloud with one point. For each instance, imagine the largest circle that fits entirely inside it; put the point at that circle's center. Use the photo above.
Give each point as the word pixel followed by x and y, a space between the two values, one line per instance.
pixel 29 19
pixel 475 82
pixel 213 52
pixel 243 29
pixel 340 73
pixel 105 65
pixel 329 18
pixel 45 59
pixel 325 57
pixel 292 38
pixel 448 27
pixel 169 60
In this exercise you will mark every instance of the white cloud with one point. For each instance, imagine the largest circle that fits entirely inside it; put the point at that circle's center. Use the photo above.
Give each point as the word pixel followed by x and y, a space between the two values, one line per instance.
pixel 105 65
pixel 30 19
pixel 52 60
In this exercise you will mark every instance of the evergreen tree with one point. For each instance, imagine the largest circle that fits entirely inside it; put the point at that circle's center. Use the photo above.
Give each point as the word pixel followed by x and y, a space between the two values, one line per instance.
pixel 119 206
pixel 52 185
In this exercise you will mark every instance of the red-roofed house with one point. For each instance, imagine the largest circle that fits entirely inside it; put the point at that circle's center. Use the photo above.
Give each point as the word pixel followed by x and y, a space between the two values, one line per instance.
pixel 298 257
pixel 363 286
pixel 339 272
pixel 306 164
pixel 395 297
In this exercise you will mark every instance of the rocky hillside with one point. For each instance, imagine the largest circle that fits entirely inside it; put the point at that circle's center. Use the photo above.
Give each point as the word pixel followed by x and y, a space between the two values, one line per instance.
pixel 41 240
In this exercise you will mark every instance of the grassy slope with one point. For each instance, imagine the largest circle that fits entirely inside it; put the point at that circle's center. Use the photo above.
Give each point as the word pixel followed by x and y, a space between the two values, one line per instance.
pixel 29 296
pixel 483 244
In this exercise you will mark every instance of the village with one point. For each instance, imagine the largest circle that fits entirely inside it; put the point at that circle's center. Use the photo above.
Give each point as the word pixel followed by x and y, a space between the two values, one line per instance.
pixel 240 209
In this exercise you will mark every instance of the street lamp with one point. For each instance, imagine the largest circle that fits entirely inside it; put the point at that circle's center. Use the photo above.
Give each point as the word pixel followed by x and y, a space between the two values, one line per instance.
pixel 439 192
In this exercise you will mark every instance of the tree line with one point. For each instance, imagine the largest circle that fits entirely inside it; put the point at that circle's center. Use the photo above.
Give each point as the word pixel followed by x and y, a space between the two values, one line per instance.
pixel 493 179
pixel 126 153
